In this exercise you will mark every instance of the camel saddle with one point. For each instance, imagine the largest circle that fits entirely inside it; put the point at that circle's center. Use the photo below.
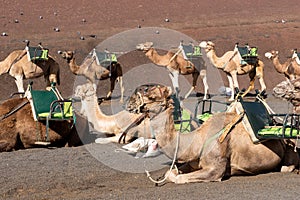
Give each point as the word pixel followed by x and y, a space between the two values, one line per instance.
pixel 36 53
pixel 262 125
pixel 104 58
pixel 191 53
pixel 247 54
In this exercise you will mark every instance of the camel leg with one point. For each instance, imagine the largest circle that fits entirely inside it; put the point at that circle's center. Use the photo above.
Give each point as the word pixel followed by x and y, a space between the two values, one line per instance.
pixel 122 88
pixel 175 82
pixel 230 81
pixel 19 83
pixel 251 85
pixel 189 92
pixel 204 79
pixel 112 87
pixel 206 174
pixel 261 82
pixel 205 84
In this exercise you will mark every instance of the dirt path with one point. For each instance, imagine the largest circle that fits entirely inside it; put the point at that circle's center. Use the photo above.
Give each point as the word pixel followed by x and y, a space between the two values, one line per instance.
pixel 72 173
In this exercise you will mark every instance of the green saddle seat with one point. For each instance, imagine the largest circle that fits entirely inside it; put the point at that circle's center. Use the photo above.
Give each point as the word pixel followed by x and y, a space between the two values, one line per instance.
pixel 37 53
pixel 104 58
pixel 248 54
pixel 280 132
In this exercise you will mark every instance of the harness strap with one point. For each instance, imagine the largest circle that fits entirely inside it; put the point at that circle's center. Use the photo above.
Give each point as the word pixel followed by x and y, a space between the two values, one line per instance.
pixel 225 64
pixel 15 109
pixel 133 124
pixel 229 126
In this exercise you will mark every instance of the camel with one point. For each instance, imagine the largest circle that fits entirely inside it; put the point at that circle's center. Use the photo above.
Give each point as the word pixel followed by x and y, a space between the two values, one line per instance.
pixel 289 90
pixel 17 65
pixel 114 125
pixel 230 64
pixel 94 72
pixel 20 131
pixel 204 157
pixel 290 68
pixel 176 64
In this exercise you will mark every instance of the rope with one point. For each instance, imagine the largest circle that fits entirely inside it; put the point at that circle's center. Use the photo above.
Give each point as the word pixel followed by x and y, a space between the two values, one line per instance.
pixel 171 167
pixel 15 109
pixel 173 161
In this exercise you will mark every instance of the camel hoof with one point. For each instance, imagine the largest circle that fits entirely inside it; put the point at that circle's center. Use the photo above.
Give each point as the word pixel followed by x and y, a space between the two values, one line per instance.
pixel 102 140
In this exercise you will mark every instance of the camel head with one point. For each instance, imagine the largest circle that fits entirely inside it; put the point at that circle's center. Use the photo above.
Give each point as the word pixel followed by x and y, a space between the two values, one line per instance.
pixel 85 90
pixel 144 46
pixel 290 91
pixel 271 55
pixel 68 55
pixel 147 97
pixel 207 45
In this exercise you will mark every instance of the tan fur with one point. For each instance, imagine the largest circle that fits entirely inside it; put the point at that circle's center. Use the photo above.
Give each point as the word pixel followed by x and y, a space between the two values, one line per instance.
pixel 94 72
pixel 18 66
pixel 176 63
pixel 289 68
pixel 205 159
pixel 113 125
pixel 230 64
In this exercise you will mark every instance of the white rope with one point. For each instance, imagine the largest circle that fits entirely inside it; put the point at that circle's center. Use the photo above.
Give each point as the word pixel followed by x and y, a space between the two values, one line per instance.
pixel 171 167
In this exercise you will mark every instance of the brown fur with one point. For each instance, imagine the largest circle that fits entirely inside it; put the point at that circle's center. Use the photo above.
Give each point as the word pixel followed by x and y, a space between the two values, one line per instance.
pixel 18 66
pixel 19 130
pixel 177 63
pixel 289 68
pixel 94 72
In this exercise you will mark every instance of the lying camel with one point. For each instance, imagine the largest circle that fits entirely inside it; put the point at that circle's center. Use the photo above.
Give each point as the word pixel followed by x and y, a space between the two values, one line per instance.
pixel 176 64
pixel 289 68
pixel 206 157
pixel 114 125
pixel 94 72
pixel 20 131
pixel 17 65
pixel 230 64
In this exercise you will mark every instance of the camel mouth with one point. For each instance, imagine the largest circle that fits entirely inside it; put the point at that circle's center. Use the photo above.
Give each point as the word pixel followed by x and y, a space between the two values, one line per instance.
pixel 268 55
pixel 203 44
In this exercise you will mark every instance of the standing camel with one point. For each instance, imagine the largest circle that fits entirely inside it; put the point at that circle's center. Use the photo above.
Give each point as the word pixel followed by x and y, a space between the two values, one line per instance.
pixel 230 64
pixel 17 65
pixel 114 125
pixel 19 130
pixel 207 155
pixel 290 68
pixel 176 64
pixel 94 72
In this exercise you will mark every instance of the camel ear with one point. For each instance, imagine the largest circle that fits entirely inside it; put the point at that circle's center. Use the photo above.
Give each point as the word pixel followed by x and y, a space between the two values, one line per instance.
pixel 203 44
pixel 268 55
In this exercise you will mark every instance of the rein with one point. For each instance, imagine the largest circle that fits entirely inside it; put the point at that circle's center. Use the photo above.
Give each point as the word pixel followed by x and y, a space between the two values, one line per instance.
pixel 15 109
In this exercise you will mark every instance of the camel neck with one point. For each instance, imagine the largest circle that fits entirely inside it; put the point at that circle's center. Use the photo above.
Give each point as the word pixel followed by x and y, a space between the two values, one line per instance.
pixel 156 58
pixel 215 60
pixel 73 66
pixel 281 68
pixel 166 136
